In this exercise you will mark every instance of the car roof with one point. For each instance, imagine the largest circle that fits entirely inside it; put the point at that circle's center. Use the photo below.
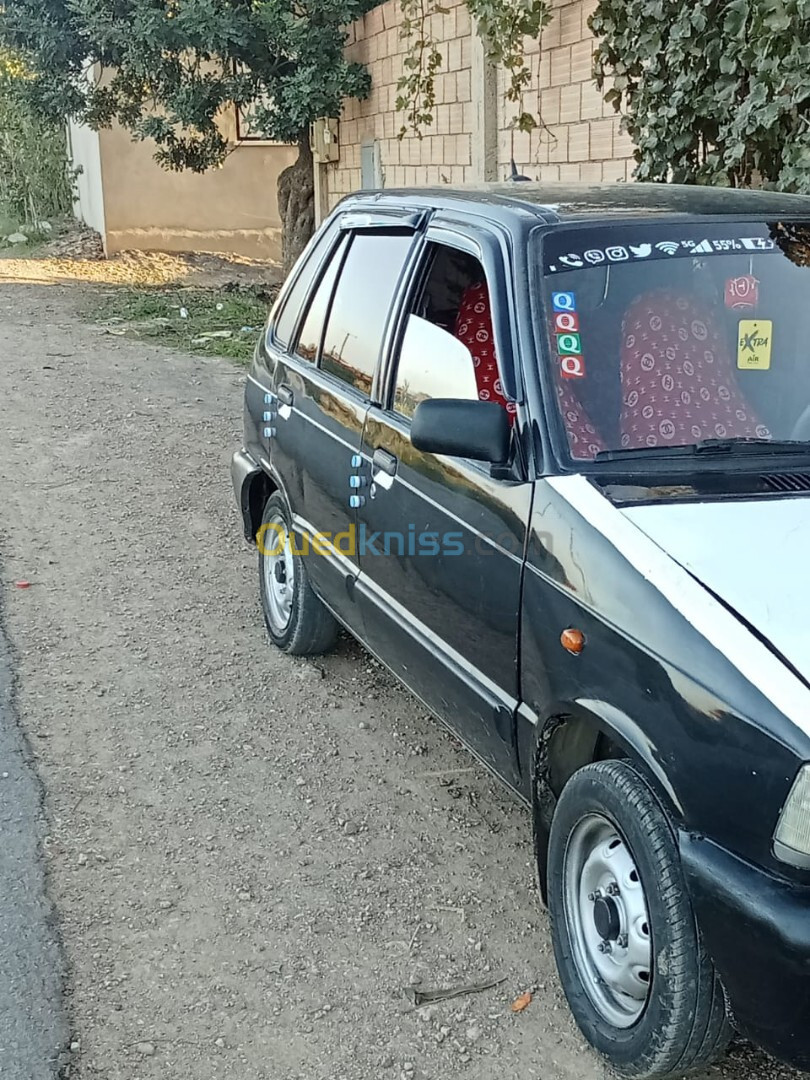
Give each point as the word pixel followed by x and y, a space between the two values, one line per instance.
pixel 554 203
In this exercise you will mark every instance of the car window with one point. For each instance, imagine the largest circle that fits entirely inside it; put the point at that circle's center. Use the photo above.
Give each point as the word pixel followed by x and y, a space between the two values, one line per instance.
pixel 448 348
pixel 285 324
pixel 361 304
pixel 309 340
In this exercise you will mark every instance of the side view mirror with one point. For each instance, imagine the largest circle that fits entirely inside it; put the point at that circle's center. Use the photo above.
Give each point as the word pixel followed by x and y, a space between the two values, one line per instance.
pixel 472 429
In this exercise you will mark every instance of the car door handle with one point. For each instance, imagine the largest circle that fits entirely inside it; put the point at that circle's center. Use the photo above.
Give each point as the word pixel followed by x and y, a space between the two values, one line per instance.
pixel 285 394
pixel 384 462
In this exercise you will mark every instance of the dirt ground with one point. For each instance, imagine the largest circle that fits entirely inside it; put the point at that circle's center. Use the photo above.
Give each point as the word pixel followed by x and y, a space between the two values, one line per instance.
pixel 252 858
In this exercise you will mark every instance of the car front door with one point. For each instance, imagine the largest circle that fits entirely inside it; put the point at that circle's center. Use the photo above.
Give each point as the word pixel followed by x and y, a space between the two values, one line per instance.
pixel 441 539
pixel 323 385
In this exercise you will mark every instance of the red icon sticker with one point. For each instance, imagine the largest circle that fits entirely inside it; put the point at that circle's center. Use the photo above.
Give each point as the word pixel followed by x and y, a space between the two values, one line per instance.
pixel 565 322
pixel 572 366
pixel 742 293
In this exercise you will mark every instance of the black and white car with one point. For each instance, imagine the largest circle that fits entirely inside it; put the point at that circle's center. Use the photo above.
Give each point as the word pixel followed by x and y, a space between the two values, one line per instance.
pixel 546 453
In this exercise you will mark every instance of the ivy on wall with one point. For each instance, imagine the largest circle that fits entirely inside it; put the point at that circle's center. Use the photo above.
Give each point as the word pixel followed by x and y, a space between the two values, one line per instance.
pixel 503 26
pixel 712 92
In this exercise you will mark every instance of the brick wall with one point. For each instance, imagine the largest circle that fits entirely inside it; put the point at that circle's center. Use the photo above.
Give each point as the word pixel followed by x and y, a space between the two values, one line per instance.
pixel 581 140
pixel 444 154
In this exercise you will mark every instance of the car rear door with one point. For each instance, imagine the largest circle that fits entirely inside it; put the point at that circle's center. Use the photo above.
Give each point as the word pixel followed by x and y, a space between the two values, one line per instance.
pixel 323 386
pixel 442 539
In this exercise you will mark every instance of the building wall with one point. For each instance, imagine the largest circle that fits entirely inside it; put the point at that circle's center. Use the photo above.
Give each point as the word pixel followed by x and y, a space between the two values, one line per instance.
pixel 134 203
pixel 231 209
pixel 85 154
pixel 444 154
pixel 580 138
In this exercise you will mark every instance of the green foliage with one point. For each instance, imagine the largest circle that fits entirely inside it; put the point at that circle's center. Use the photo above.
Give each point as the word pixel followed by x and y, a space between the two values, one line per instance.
pixel 416 89
pixel 503 26
pixel 713 92
pixel 34 181
pixel 169 67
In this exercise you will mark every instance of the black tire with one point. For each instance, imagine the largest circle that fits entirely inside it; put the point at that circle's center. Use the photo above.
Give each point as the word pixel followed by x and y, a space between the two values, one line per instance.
pixel 309 627
pixel 684 1023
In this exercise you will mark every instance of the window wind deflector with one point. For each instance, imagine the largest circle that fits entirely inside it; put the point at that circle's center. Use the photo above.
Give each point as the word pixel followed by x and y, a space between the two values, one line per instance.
pixel 381 219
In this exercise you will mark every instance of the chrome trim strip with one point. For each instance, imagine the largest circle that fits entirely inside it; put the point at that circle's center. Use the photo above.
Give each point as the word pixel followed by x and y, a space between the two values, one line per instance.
pixel 434 643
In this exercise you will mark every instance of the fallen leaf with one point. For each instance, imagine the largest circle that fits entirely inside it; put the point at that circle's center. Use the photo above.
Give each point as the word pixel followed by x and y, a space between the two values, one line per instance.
pixel 522 1002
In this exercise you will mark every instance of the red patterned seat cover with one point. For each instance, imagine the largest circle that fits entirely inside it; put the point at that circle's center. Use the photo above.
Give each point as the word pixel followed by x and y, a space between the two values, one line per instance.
pixel 584 440
pixel 678 382
pixel 474 329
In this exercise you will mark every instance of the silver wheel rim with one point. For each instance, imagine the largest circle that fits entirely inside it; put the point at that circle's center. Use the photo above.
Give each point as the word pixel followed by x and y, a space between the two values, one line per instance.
pixel 279 573
pixel 607 921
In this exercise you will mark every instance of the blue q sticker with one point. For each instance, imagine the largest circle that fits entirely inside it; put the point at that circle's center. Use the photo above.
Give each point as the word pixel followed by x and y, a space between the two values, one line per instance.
pixel 563 301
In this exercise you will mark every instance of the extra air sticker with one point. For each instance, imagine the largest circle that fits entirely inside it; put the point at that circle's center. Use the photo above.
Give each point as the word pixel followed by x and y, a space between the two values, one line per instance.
pixel 754 344
pixel 742 293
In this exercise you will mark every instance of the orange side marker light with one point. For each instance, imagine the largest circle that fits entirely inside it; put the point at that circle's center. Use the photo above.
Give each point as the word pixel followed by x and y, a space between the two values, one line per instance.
pixel 572 640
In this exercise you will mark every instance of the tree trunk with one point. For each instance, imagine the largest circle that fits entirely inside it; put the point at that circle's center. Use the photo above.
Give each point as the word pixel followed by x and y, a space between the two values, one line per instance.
pixel 296 205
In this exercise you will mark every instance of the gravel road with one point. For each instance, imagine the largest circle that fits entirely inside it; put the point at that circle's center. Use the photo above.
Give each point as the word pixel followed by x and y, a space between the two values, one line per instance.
pixel 251 858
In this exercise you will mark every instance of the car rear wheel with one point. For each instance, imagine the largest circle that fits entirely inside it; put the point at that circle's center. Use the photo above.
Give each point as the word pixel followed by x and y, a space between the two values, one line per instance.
pixel 639 982
pixel 296 620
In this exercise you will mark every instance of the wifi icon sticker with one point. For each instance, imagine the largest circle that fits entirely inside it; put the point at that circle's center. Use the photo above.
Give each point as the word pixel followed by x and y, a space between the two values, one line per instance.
pixel 669 247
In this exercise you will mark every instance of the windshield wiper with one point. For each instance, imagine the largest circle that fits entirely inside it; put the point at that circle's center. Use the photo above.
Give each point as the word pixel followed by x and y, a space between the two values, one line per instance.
pixel 749 444
pixel 707 448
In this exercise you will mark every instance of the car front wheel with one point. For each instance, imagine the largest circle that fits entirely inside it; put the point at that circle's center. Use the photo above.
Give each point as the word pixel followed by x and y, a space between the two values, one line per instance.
pixel 296 620
pixel 638 980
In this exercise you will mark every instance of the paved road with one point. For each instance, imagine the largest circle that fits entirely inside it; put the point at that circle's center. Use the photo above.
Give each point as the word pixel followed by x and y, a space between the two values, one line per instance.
pixel 33 1029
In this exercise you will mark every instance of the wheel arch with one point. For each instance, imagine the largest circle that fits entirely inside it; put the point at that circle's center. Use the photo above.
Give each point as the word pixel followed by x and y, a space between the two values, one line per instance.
pixel 577 734
pixel 256 490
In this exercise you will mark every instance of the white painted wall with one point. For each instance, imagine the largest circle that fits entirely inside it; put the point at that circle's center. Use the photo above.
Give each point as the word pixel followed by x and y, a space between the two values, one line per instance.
pixel 85 153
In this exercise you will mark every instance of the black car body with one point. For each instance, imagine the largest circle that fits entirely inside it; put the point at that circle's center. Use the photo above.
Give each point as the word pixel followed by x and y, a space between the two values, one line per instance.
pixel 680 570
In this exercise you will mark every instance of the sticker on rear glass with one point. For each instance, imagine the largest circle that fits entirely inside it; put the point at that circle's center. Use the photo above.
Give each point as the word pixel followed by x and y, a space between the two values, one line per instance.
pixel 742 293
pixel 569 343
pixel 754 344
pixel 572 366
pixel 563 301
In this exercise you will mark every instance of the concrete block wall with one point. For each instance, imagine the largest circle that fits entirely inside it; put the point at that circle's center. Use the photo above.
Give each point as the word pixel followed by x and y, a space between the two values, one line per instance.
pixel 444 154
pixel 580 139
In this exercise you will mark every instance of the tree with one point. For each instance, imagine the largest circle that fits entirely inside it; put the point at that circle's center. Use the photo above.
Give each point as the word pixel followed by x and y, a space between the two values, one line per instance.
pixel 169 68
pixel 714 91
pixel 34 181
